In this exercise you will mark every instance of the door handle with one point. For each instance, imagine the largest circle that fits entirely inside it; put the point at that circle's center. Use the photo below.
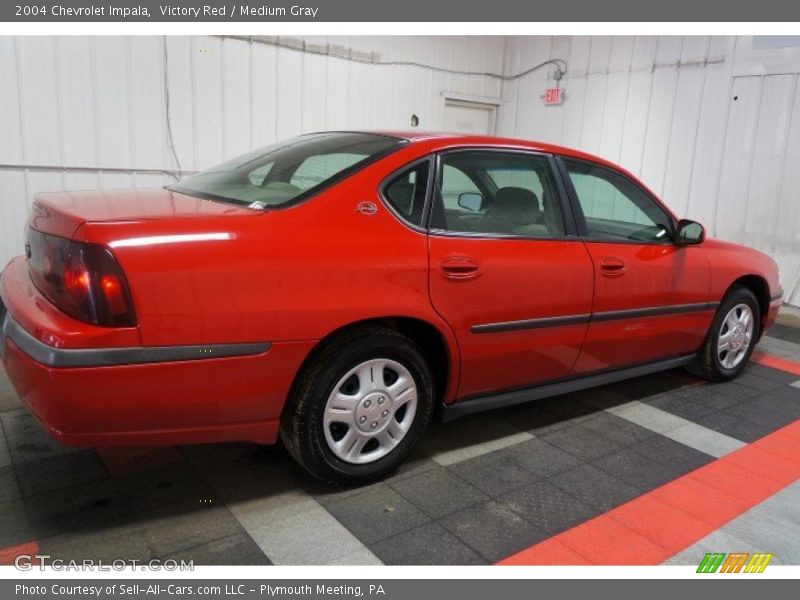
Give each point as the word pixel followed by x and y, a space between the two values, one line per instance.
pixel 460 267
pixel 611 266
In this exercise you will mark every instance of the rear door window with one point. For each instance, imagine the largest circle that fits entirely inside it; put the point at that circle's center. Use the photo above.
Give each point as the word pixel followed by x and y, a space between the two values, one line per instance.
pixel 498 193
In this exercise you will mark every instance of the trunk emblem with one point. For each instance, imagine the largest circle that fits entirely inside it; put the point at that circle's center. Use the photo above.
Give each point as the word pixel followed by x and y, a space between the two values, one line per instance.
pixel 367 208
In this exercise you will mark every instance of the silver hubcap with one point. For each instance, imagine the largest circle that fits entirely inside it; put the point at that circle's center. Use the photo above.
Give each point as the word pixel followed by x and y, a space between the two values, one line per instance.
pixel 735 336
pixel 370 411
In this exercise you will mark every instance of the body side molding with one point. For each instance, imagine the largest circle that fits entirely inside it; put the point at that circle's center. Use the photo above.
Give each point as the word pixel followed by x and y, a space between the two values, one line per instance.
pixel 511 398
pixel 611 315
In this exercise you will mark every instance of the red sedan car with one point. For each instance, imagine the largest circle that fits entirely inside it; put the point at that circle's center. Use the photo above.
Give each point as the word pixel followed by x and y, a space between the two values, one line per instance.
pixel 339 289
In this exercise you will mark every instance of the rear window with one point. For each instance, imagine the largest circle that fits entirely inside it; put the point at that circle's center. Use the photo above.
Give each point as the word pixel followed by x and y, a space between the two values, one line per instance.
pixel 288 172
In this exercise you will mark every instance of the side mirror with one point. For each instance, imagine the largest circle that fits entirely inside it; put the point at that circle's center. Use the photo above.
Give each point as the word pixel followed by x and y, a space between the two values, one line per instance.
pixel 689 232
pixel 470 201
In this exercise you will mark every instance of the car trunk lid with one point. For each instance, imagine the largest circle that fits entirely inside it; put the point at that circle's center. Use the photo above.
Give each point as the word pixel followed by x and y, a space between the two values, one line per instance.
pixel 63 213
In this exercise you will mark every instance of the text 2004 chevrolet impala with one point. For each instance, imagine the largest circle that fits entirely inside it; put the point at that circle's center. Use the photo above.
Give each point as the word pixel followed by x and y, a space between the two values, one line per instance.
pixel 338 289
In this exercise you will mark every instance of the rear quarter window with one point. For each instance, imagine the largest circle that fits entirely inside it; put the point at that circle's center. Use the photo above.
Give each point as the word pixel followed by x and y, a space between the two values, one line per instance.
pixel 290 171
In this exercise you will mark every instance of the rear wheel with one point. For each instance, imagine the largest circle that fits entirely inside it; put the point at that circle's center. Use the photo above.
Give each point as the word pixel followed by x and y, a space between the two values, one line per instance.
pixel 359 407
pixel 732 337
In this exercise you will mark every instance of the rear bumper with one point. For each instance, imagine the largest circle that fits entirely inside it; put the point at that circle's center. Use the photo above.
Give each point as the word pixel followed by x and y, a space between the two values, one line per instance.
pixel 142 395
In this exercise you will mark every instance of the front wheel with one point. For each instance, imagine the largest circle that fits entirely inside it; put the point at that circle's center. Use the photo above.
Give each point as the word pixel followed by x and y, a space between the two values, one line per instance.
pixel 359 407
pixel 732 337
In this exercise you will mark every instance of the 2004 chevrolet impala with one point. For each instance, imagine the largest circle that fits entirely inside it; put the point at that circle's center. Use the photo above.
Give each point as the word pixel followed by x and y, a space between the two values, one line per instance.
pixel 339 289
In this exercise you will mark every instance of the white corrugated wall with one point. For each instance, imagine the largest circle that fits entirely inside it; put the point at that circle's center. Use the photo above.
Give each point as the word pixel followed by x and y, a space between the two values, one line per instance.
pixel 91 112
pixel 80 113
pixel 711 124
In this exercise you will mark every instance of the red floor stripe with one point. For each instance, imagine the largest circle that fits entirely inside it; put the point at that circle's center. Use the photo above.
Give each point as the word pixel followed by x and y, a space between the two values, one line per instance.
pixel 7 555
pixel 554 553
pixel 775 362
pixel 660 523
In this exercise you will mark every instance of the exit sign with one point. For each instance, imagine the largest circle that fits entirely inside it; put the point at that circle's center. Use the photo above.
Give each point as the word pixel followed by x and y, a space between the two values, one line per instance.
pixel 553 96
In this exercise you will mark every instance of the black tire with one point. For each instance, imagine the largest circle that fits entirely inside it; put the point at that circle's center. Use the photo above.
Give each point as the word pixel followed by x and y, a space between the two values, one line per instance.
pixel 302 426
pixel 707 363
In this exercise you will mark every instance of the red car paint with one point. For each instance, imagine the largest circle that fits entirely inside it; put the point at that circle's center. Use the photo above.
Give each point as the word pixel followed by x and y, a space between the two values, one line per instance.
pixel 208 273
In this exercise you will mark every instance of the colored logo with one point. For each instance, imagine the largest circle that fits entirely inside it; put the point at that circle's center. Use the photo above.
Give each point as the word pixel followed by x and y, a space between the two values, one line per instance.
pixel 737 562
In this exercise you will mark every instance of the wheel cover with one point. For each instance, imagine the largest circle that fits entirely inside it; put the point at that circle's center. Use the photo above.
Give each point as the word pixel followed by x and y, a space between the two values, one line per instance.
pixel 370 411
pixel 735 336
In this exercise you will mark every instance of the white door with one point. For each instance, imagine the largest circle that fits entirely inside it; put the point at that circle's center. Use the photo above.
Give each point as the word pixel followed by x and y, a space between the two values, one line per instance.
pixel 469 117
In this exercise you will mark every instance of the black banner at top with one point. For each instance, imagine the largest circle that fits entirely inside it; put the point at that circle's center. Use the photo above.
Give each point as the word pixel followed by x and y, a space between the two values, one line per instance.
pixel 256 11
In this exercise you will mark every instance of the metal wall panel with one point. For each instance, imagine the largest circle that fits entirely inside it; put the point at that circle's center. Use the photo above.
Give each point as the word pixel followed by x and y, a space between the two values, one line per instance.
pixel 786 236
pixel 178 52
pixel 12 148
pixel 769 150
pixel 616 101
pixel 237 98
pixel 76 76
pixel 709 144
pixel 683 133
pixel 737 160
pixel 147 102
pixel 660 114
pixel 710 124
pixel 112 63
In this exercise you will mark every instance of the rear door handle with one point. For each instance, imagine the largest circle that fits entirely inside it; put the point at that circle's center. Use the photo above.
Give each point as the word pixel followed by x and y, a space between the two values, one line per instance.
pixel 611 266
pixel 460 267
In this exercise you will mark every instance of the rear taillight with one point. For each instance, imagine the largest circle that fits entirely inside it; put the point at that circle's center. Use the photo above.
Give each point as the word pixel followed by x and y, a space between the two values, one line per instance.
pixel 83 280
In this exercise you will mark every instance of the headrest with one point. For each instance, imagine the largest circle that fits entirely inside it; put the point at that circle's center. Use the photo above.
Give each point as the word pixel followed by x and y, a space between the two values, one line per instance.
pixel 512 207
pixel 515 198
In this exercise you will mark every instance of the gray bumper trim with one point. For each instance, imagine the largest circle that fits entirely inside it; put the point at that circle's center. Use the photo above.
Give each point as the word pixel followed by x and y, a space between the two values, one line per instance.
pixel 104 357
